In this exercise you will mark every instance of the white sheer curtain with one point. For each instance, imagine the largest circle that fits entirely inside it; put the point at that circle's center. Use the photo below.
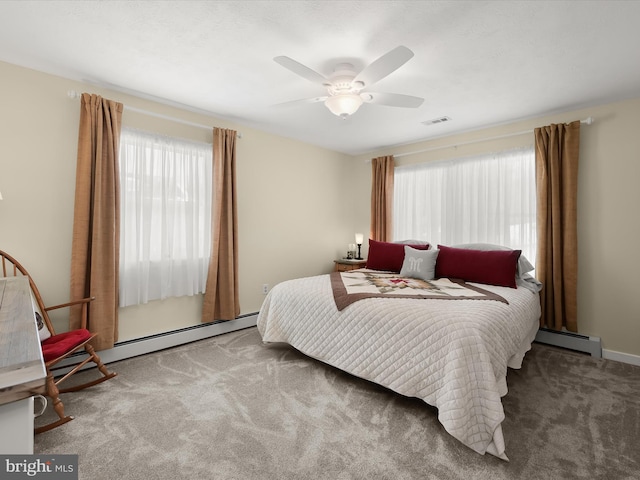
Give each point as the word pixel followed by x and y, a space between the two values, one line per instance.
pixel 165 239
pixel 484 199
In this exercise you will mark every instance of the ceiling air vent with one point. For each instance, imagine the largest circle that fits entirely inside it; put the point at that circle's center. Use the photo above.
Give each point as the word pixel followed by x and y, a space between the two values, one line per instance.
pixel 435 121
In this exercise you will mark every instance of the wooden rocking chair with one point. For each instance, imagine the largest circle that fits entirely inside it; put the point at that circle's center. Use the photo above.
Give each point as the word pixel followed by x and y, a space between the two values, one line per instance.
pixel 57 347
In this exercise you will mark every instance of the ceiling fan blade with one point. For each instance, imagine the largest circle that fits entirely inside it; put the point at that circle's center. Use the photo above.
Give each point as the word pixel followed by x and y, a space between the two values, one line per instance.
pixel 301 101
pixel 300 69
pixel 384 65
pixel 392 99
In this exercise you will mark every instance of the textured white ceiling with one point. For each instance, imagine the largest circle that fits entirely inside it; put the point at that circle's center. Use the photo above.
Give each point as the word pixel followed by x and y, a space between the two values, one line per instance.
pixel 481 63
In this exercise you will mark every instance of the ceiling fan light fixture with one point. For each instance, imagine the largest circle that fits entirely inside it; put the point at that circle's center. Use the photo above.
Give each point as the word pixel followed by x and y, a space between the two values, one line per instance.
pixel 343 105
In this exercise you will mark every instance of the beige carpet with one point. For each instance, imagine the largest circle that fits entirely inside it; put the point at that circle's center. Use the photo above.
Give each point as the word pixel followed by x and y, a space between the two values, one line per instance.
pixel 232 408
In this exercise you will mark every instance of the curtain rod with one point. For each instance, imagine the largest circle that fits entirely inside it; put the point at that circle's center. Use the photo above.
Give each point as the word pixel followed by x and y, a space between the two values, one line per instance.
pixel 586 121
pixel 73 94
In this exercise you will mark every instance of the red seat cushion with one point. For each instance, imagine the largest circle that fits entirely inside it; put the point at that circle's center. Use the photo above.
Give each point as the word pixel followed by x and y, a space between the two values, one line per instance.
pixel 58 345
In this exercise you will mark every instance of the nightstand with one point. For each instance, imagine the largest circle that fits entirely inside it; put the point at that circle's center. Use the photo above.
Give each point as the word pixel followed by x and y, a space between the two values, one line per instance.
pixel 344 264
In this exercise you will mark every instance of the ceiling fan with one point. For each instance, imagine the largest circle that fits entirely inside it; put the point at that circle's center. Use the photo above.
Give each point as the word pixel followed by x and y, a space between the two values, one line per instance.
pixel 345 86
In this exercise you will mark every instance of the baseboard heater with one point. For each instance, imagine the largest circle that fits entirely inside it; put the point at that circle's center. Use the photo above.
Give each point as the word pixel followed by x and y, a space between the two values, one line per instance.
pixel 161 341
pixel 571 341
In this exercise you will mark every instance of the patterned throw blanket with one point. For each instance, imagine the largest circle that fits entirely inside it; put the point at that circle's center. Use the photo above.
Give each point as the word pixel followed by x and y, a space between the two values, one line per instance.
pixel 349 287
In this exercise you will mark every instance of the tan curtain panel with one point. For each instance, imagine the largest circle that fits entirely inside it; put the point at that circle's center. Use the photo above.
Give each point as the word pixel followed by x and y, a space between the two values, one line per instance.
pixel 96 222
pixel 557 154
pixel 381 198
pixel 221 300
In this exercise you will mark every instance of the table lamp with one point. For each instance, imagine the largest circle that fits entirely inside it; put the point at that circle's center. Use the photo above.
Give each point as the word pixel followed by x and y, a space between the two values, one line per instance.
pixel 359 239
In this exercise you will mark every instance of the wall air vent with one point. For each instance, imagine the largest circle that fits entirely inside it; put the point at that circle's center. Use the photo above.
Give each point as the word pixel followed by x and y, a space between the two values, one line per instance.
pixel 435 121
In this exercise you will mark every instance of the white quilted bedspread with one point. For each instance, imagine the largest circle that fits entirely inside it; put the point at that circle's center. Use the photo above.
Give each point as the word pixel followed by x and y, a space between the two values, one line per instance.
pixel 451 354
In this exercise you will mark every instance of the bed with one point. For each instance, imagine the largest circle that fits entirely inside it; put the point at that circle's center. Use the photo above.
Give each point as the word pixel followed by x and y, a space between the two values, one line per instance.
pixel 448 343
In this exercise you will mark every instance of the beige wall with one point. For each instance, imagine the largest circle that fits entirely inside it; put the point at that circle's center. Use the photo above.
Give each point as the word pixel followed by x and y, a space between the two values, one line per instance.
pixel 608 199
pixel 299 205
pixel 291 196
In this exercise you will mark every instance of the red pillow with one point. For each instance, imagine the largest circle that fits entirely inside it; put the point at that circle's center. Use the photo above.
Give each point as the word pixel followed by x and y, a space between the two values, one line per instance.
pixel 492 267
pixel 388 256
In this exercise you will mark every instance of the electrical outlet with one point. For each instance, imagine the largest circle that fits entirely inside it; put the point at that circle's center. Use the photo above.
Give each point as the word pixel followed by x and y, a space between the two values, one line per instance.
pixel 265 288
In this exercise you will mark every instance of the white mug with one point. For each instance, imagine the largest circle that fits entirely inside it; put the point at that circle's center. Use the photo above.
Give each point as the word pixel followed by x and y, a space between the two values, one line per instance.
pixel 44 404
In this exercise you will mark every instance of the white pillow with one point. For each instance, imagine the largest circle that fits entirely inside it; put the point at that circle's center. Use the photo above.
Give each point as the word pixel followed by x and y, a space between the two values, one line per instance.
pixel 419 263
pixel 413 242
pixel 43 331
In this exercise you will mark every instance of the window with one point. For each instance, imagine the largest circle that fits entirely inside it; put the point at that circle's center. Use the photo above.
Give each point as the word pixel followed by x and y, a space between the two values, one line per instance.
pixel 165 209
pixel 485 199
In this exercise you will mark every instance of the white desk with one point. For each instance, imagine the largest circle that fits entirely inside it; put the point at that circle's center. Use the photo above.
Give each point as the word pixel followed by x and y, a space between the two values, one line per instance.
pixel 22 370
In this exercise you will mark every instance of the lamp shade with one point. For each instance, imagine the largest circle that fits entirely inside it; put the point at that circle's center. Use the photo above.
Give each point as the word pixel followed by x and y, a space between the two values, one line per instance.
pixel 359 238
pixel 343 105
